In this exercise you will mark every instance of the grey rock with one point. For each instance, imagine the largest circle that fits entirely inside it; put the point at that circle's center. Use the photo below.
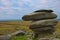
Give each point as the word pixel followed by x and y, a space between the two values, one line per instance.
pixel 43 23
pixel 44 10
pixel 18 33
pixel 43 33
pixel 8 36
pixel 39 16
pixel 44 30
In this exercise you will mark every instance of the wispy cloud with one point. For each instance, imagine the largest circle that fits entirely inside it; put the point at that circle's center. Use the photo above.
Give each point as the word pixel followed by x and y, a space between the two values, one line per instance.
pixel 43 1
pixel 6 3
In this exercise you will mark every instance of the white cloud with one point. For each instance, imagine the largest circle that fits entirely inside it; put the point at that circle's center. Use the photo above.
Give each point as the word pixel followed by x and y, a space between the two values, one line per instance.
pixel 20 4
pixel 30 2
pixel 38 4
pixel 27 0
pixel 6 3
pixel 43 1
pixel 10 12
pixel 1 8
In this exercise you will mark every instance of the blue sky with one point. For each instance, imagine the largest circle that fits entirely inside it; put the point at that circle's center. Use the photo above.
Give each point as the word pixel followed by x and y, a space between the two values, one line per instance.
pixel 15 9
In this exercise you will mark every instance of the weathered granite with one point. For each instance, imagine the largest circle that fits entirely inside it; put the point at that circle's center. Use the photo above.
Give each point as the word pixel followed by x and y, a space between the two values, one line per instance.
pixel 43 23
pixel 39 16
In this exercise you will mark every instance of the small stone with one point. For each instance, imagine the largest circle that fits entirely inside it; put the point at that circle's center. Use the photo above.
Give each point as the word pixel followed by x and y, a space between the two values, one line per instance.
pixel 39 16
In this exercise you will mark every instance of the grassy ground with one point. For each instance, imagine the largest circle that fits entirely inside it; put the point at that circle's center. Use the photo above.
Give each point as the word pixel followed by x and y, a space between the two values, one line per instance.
pixel 25 37
pixel 11 26
pixel 19 38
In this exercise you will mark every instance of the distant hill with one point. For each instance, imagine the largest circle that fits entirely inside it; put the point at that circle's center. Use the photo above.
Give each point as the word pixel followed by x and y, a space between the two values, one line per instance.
pixel 58 19
pixel 14 20
pixel 9 20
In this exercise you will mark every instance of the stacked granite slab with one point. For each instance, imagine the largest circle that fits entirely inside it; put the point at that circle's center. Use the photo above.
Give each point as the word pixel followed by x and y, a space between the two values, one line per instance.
pixel 43 22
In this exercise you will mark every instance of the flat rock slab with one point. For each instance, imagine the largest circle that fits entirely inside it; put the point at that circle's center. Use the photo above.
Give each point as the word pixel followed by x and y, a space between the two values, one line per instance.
pixel 44 10
pixel 43 23
pixel 44 30
pixel 39 16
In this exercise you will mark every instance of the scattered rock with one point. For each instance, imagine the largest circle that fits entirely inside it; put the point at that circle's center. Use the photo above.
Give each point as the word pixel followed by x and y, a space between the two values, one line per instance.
pixel 8 36
pixel 18 33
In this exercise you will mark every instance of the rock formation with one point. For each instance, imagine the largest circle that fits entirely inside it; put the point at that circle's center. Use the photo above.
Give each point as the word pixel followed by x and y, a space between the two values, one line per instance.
pixel 39 16
pixel 43 22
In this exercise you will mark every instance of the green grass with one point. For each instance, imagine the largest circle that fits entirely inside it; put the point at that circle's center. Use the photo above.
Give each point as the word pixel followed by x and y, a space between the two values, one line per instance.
pixel 25 37
pixel 19 38
pixel 28 36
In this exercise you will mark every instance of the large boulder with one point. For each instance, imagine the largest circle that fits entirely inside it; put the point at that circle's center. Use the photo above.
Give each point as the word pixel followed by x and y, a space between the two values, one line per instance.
pixel 39 16
pixel 43 23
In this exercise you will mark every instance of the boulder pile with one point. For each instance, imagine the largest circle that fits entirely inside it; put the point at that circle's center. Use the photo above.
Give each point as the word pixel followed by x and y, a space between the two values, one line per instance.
pixel 43 21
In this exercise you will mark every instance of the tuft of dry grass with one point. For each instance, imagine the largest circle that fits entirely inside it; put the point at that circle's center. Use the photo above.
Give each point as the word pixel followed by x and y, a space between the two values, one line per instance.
pixel 12 26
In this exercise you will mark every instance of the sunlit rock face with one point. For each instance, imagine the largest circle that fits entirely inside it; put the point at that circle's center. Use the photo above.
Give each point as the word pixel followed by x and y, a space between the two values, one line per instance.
pixel 43 22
